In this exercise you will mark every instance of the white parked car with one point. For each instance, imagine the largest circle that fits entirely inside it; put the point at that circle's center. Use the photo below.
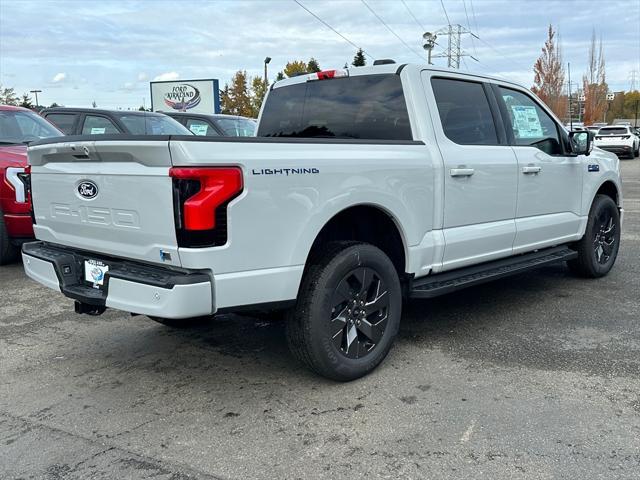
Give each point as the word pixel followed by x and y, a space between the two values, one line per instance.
pixel 619 139
pixel 363 187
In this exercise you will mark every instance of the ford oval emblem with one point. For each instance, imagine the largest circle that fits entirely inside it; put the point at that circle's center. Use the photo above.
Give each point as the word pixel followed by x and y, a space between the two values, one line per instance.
pixel 87 189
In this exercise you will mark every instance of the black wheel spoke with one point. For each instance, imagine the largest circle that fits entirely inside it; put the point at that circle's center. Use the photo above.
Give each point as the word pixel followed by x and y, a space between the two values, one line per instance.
pixel 359 313
pixel 373 331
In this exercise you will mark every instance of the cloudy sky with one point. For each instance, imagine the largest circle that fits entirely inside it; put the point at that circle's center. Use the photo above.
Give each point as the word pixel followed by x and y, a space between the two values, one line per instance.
pixel 79 51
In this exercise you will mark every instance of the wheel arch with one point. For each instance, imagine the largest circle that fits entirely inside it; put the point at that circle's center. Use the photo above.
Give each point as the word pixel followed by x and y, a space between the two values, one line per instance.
pixel 610 189
pixel 366 222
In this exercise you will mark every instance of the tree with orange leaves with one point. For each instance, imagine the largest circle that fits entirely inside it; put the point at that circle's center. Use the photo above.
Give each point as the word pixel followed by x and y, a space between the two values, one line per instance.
pixel 549 76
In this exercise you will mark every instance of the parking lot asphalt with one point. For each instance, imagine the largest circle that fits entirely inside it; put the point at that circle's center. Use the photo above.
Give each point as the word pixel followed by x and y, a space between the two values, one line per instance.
pixel 536 376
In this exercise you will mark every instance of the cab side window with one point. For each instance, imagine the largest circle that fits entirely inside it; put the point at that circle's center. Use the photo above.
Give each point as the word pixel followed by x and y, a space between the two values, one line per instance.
pixel 201 127
pixel 531 125
pixel 94 125
pixel 464 112
pixel 64 121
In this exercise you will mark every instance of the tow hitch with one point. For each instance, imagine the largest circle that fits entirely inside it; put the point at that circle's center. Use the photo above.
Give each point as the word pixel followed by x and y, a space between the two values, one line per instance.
pixel 93 310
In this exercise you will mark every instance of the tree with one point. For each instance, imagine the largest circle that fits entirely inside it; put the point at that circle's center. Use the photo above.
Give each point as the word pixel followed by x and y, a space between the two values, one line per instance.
pixel 8 96
pixel 359 60
pixel 549 76
pixel 94 104
pixel 258 92
pixel 313 65
pixel 235 98
pixel 25 101
pixel 280 76
pixel 594 84
pixel 54 105
pixel 291 69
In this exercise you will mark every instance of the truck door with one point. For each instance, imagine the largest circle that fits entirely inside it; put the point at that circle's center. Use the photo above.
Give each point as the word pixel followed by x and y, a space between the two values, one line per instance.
pixel 549 180
pixel 480 170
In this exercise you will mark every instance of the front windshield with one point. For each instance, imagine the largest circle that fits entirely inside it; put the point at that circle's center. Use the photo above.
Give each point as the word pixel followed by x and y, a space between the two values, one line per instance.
pixel 21 127
pixel 237 127
pixel 140 124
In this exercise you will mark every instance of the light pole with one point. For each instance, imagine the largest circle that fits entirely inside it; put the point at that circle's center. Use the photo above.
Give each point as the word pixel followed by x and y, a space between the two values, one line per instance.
pixel 266 62
pixel 429 43
pixel 36 92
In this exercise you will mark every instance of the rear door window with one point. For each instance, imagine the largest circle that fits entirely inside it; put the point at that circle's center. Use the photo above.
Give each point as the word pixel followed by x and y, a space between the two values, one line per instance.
pixel 64 121
pixel 464 112
pixel 367 107
pixel 97 125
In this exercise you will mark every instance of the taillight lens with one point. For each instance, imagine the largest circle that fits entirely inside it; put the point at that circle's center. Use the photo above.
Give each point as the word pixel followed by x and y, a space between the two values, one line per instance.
pixel 19 179
pixel 201 195
pixel 327 75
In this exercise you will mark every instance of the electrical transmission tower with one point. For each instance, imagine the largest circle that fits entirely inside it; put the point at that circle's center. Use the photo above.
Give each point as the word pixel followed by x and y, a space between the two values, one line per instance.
pixel 454 51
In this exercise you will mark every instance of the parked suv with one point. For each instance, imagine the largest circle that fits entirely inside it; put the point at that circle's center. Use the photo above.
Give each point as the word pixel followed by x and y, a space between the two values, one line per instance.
pixel 619 139
pixel 18 127
pixel 363 186
pixel 215 125
pixel 91 121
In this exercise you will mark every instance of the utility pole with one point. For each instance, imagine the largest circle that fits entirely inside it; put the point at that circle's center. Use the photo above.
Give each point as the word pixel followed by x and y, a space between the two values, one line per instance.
pixel 36 92
pixel 429 43
pixel 266 62
pixel 454 51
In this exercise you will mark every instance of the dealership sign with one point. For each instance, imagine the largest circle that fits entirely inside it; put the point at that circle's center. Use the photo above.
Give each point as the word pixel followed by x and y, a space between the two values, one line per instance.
pixel 196 96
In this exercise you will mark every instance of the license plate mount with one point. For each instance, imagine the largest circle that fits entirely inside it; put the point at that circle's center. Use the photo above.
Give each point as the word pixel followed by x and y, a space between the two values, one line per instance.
pixel 94 272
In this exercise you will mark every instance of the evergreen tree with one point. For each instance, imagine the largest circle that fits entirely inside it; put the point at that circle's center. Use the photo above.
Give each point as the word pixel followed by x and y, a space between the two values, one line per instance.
pixel 313 66
pixel 235 98
pixel 25 101
pixel 359 60
pixel 280 76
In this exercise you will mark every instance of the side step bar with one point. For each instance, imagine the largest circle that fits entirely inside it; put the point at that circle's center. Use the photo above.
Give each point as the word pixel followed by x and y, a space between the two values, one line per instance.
pixel 441 283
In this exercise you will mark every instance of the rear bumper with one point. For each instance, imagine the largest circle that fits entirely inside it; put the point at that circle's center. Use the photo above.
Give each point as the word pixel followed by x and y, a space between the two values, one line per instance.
pixel 617 149
pixel 129 286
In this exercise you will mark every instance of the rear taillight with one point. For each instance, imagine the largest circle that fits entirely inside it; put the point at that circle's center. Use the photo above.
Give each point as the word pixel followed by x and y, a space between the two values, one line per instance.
pixel 201 196
pixel 19 180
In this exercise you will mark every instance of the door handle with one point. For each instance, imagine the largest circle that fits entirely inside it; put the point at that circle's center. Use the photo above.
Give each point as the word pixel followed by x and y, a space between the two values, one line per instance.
pixel 531 169
pixel 461 172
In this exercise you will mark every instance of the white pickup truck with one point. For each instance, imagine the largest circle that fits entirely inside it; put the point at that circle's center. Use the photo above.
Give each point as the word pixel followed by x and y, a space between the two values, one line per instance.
pixel 363 187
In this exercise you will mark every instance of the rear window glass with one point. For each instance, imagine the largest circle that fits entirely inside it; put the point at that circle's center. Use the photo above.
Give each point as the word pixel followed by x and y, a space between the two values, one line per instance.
pixel 370 107
pixel 613 131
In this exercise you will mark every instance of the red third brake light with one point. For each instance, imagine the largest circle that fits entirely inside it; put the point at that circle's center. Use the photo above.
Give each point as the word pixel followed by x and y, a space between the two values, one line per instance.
pixel 217 186
pixel 327 75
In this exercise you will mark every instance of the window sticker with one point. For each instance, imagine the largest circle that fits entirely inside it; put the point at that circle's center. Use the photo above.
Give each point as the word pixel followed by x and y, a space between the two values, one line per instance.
pixel 526 122
pixel 198 128
pixel 98 130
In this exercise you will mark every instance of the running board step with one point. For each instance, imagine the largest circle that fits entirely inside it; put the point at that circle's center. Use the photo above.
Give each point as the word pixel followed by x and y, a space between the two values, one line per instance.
pixel 439 284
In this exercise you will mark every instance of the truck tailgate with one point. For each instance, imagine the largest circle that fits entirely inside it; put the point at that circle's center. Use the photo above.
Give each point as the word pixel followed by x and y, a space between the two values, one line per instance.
pixel 109 197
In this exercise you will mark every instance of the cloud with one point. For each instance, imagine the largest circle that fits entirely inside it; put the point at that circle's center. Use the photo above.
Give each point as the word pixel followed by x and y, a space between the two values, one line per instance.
pixel 167 76
pixel 59 77
pixel 142 77
pixel 129 86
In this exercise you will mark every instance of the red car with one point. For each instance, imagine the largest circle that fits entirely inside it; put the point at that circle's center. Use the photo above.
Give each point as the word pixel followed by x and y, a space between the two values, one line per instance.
pixel 18 127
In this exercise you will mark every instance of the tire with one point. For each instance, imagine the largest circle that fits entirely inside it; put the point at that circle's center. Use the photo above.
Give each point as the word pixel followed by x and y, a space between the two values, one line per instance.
pixel 183 323
pixel 636 153
pixel 345 280
pixel 8 252
pixel 598 248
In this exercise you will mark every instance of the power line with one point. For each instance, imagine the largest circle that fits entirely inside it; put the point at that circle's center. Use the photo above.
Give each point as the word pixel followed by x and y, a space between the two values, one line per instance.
pixel 445 12
pixel 414 17
pixel 334 30
pixel 464 3
pixel 391 30
pixel 473 13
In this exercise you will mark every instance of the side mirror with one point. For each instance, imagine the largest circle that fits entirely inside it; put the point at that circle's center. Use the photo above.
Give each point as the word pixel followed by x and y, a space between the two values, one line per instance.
pixel 581 142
